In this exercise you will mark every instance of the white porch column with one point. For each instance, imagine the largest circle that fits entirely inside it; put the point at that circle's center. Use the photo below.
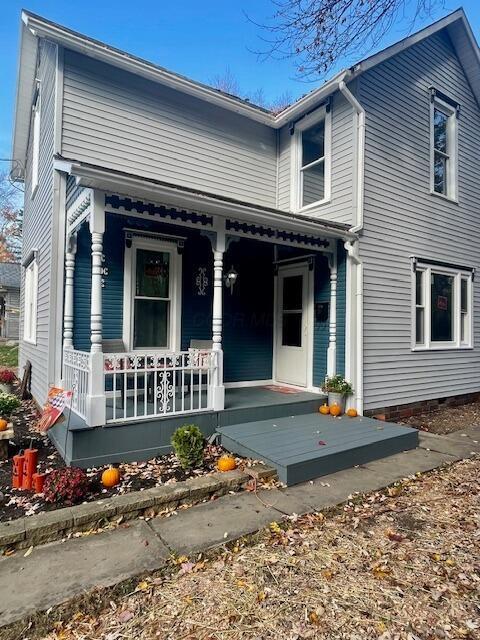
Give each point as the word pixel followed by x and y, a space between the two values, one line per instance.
pixel 218 389
pixel 96 413
pixel 71 250
pixel 332 333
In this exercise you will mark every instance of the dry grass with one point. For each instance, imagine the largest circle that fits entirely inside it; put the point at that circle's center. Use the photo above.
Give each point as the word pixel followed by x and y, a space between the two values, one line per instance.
pixel 401 565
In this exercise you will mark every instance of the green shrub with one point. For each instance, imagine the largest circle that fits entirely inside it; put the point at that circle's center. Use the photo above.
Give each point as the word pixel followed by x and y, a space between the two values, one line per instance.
pixel 188 443
pixel 8 404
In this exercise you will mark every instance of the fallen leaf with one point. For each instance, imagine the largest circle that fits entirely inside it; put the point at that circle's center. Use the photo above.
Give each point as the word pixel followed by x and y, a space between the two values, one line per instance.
pixel 28 552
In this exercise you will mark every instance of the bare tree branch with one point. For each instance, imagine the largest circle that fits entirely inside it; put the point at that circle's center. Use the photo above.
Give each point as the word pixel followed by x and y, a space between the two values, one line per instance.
pixel 11 219
pixel 319 33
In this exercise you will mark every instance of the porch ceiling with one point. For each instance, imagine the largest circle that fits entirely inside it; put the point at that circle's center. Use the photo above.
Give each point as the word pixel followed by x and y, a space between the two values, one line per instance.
pixel 163 193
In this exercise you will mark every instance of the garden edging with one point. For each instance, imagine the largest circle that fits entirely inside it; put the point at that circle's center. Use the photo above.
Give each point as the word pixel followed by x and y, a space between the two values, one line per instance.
pixel 53 525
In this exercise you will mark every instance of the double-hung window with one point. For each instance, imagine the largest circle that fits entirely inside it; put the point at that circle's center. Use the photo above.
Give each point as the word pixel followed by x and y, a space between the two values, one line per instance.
pixel 311 160
pixel 30 302
pixel 443 306
pixel 443 148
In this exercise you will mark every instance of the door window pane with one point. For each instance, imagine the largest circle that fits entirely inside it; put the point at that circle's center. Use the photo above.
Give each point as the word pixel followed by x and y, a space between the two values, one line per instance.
pixel 442 308
pixel 151 324
pixel 152 273
pixel 292 293
pixel 292 329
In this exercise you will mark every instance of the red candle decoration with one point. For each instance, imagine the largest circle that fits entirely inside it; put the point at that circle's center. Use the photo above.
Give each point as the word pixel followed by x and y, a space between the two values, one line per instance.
pixel 38 481
pixel 29 467
pixel 17 471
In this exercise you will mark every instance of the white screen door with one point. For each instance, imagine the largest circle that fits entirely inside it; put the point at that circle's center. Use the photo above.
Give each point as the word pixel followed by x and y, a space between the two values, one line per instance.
pixel 292 325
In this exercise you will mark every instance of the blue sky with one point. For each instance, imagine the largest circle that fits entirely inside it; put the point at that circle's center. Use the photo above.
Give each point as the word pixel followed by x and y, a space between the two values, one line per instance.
pixel 198 39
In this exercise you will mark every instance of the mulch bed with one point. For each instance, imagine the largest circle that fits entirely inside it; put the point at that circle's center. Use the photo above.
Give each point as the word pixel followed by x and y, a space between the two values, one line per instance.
pixel 447 419
pixel 135 476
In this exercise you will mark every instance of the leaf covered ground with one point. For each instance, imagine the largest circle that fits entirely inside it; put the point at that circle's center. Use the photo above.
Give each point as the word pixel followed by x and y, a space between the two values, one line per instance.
pixel 404 564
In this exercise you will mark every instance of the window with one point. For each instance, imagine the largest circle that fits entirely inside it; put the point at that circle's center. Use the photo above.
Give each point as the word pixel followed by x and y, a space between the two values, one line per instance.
pixel 311 160
pixel 444 149
pixel 152 294
pixel 151 299
pixel 35 144
pixel 443 307
pixel 30 302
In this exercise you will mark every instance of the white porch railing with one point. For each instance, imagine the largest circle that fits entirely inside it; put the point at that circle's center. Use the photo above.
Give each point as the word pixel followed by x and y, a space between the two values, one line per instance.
pixel 145 385
pixel 76 372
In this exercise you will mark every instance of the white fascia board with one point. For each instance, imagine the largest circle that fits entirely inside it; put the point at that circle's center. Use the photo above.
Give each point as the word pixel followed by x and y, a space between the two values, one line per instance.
pixel 98 178
pixel 26 68
pixel 104 53
pixel 409 41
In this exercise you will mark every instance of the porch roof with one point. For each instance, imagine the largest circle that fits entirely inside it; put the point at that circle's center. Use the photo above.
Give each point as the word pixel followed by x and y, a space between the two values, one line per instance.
pixel 123 183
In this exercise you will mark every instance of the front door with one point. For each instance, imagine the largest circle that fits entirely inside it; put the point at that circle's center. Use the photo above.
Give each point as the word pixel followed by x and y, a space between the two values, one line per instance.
pixel 292 329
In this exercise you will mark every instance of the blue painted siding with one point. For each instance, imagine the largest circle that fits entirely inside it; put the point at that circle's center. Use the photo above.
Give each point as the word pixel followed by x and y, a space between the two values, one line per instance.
pixel 248 313
pixel 321 329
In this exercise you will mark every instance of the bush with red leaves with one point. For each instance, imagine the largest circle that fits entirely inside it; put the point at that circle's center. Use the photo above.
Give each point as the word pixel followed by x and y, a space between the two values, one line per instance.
pixel 67 485
pixel 6 376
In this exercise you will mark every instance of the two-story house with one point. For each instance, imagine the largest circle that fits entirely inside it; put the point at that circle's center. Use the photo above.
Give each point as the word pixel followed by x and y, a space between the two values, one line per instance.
pixel 184 248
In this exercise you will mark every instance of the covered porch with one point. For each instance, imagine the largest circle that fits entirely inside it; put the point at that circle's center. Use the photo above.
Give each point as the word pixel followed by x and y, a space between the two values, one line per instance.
pixel 166 309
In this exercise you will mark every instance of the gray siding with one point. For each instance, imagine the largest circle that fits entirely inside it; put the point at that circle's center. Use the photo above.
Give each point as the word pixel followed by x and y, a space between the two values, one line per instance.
pixel 402 218
pixel 340 207
pixel 121 121
pixel 37 227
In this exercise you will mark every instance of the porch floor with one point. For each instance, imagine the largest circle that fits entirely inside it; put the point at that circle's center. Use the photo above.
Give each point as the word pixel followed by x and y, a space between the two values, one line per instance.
pixel 304 447
pixel 235 399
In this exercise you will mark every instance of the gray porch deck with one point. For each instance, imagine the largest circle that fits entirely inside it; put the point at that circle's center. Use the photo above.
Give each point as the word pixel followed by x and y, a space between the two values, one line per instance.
pixel 303 447
pixel 241 404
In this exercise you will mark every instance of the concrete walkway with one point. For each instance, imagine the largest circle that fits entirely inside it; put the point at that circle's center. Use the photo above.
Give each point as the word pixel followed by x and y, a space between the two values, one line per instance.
pixel 59 571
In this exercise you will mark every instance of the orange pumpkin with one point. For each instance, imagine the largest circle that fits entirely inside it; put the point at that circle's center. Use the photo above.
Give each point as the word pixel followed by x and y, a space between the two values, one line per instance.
pixel 324 409
pixel 352 412
pixel 335 410
pixel 3 425
pixel 226 463
pixel 110 477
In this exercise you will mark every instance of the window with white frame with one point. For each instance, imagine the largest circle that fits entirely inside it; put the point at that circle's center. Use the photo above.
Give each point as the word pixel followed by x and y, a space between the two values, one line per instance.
pixel 30 302
pixel 443 307
pixel 35 144
pixel 311 160
pixel 443 148
pixel 152 294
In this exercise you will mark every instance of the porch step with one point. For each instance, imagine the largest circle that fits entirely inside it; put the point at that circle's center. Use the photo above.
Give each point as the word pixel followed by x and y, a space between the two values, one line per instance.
pixel 132 440
pixel 304 447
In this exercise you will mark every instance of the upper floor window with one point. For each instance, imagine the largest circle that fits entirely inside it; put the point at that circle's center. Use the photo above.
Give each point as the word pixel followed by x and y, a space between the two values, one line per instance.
pixel 444 148
pixel 30 301
pixel 443 306
pixel 311 160
pixel 35 143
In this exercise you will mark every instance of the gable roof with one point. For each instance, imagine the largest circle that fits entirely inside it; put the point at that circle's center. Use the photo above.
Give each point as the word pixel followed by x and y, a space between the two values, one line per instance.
pixel 34 27
pixel 10 275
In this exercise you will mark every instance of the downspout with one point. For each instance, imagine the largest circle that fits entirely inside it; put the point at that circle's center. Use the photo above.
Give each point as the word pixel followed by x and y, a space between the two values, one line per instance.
pixel 352 248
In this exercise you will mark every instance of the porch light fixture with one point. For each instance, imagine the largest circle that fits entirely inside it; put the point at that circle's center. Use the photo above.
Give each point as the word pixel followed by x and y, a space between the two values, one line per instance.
pixel 230 279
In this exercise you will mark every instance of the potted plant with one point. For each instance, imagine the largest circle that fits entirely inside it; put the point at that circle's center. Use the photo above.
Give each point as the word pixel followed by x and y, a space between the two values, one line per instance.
pixel 337 388
pixel 7 377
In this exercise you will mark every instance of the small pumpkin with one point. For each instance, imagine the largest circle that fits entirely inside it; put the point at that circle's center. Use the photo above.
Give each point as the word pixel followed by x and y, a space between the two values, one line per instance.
pixel 226 463
pixel 335 410
pixel 3 425
pixel 110 477
pixel 352 412
pixel 324 409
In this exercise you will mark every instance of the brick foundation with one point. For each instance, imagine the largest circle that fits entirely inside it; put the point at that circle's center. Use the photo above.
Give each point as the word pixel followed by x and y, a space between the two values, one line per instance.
pixel 403 411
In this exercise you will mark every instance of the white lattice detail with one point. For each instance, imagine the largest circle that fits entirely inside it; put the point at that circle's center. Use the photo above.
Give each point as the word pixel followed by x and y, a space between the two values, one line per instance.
pixel 145 385
pixel 76 373
pixel 79 209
